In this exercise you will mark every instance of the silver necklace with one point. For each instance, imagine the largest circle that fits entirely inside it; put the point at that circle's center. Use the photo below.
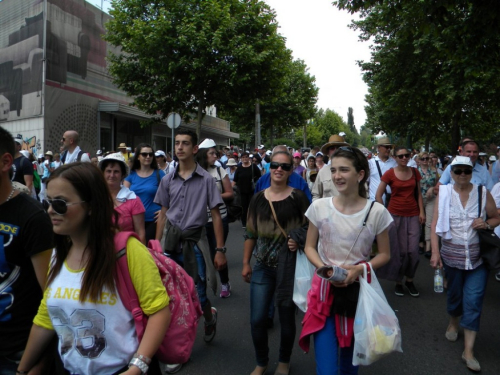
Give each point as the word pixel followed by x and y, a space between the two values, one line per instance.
pixel 10 195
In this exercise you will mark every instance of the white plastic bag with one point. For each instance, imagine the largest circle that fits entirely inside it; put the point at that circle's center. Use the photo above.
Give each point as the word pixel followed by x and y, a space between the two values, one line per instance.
pixel 376 327
pixel 304 272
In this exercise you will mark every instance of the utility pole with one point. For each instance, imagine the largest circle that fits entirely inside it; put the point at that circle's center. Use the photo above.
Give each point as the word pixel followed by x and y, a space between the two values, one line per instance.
pixel 257 124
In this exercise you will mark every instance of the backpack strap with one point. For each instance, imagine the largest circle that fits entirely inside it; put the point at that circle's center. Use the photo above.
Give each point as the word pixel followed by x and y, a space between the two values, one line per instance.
pixel 79 156
pixel 479 199
pixel 380 175
pixel 124 284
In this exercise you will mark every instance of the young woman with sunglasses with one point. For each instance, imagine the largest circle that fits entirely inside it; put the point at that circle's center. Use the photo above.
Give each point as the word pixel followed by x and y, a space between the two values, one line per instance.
pixel 407 209
pixel 143 180
pixel 81 304
pixel 274 254
pixel 429 180
pixel 456 219
pixel 336 236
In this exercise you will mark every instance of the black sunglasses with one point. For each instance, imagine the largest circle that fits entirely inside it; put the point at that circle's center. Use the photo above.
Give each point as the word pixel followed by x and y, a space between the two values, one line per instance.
pixel 387 147
pixel 459 171
pixel 146 154
pixel 403 156
pixel 60 206
pixel 285 166
pixel 425 159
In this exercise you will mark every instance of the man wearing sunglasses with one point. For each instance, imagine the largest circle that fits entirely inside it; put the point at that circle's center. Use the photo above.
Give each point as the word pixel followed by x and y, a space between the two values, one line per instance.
pixel 379 165
pixel 25 248
pixel 480 174
pixel 71 151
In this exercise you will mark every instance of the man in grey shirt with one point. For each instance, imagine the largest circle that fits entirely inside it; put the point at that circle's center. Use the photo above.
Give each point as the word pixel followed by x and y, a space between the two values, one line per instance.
pixel 184 196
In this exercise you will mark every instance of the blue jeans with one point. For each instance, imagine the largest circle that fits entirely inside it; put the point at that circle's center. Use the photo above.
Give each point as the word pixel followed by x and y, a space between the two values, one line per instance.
pixel 201 282
pixel 326 349
pixel 262 287
pixel 466 289
pixel 8 364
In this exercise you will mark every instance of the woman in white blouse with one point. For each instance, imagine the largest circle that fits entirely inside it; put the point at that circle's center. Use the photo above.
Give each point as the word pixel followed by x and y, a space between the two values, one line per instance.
pixel 455 221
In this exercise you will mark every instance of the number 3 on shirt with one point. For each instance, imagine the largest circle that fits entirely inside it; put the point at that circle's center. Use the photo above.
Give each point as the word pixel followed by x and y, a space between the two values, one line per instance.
pixel 83 330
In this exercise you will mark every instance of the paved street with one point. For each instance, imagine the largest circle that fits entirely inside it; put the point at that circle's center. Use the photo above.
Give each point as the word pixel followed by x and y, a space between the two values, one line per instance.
pixel 423 322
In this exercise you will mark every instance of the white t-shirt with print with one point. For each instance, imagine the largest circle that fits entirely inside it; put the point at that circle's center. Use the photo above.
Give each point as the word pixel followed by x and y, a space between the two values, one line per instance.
pixel 337 231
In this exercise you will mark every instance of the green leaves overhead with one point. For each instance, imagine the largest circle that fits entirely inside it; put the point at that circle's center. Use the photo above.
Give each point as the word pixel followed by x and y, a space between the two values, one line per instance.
pixel 185 55
pixel 435 66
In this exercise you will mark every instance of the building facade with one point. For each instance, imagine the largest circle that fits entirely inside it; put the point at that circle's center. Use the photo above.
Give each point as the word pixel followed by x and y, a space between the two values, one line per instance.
pixel 54 77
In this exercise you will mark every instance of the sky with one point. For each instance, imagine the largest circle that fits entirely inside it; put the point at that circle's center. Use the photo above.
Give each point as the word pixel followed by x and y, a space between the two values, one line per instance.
pixel 318 33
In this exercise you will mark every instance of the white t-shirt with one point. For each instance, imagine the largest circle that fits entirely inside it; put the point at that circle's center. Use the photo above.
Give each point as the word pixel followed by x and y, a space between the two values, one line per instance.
pixel 337 231
pixel 72 157
pixel 218 181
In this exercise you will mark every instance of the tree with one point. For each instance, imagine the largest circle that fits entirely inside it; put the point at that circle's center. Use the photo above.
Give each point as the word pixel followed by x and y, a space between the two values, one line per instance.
pixel 435 66
pixel 186 55
pixel 287 109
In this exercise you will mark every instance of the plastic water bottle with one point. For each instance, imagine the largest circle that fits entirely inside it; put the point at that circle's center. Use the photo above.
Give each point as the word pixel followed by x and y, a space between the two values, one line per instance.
pixel 438 281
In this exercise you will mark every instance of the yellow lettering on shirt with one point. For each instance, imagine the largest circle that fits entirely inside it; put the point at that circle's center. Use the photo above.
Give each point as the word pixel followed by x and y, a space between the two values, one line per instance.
pixel 112 300
pixel 67 293
pixel 47 292
pixel 58 293
pixel 104 298
pixel 76 294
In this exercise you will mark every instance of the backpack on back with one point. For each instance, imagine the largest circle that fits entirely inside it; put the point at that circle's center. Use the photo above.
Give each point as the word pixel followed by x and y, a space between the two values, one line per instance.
pixel 184 305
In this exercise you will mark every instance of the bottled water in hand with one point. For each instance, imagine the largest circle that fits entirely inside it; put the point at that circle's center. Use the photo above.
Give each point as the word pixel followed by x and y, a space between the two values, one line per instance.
pixel 438 281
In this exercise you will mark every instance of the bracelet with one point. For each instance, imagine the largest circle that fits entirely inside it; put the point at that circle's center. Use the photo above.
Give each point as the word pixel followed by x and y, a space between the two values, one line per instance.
pixel 138 363
pixel 143 358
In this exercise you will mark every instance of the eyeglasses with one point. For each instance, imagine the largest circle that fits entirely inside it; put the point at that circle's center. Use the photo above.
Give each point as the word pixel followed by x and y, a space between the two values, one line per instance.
pixel 147 154
pixel 285 166
pixel 459 171
pixel 403 156
pixel 60 206
pixel 425 159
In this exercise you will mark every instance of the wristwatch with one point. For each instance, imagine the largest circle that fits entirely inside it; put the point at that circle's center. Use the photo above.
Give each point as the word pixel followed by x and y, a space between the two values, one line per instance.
pixel 221 249
pixel 488 226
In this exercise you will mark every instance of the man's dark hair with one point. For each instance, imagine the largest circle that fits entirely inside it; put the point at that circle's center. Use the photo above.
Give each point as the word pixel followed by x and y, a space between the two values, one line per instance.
pixel 6 143
pixel 192 134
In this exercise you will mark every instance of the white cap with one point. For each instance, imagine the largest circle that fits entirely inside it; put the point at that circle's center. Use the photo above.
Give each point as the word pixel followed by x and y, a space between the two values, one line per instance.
pixel 40 156
pixel 207 143
pixel 99 152
pixel 261 147
pixel 160 153
pixel 25 153
pixel 117 156
pixel 461 160
pixel 493 158
pixel 269 152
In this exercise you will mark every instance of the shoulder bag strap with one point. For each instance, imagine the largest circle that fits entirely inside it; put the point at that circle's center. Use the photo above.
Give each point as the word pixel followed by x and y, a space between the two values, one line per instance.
pixel 359 233
pixel 274 215
pixel 220 178
pixel 479 199
pixel 380 175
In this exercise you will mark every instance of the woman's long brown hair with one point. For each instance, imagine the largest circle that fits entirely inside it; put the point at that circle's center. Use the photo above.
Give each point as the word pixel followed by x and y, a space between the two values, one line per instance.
pixel 100 269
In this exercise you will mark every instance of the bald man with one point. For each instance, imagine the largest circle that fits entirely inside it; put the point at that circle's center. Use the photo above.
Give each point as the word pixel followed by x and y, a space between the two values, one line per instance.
pixel 72 152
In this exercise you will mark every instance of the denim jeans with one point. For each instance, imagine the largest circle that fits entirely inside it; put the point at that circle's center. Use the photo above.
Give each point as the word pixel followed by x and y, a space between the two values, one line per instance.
pixel 262 287
pixel 9 363
pixel 466 289
pixel 326 349
pixel 201 283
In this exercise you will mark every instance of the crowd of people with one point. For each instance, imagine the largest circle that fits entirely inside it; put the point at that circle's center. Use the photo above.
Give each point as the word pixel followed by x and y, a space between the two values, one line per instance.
pixel 339 205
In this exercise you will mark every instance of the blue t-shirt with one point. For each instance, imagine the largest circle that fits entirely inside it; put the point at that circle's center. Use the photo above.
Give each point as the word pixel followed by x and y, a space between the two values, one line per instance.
pixel 146 188
pixel 294 181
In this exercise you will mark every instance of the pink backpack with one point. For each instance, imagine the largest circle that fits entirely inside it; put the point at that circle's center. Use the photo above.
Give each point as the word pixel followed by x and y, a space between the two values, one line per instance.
pixel 184 305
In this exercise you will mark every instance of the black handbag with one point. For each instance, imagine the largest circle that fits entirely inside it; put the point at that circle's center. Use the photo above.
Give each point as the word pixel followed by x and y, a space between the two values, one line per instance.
pixel 489 242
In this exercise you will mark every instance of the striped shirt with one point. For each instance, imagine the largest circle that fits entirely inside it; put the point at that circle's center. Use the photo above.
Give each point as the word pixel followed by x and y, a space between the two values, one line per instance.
pixel 218 176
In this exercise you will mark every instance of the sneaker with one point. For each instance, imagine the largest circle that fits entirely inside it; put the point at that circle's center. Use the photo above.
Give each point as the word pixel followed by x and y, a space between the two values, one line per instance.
pixel 211 328
pixel 497 276
pixel 399 291
pixel 411 289
pixel 225 290
pixel 172 369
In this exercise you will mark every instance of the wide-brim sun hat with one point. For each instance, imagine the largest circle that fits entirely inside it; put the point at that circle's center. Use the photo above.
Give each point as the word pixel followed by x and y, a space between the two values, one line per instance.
pixel 462 160
pixel 49 153
pixel 116 157
pixel 384 141
pixel 231 163
pixel 122 145
pixel 335 140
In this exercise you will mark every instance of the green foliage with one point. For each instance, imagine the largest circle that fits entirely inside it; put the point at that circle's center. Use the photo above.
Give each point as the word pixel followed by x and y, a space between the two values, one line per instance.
pixel 435 67
pixel 287 141
pixel 186 55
